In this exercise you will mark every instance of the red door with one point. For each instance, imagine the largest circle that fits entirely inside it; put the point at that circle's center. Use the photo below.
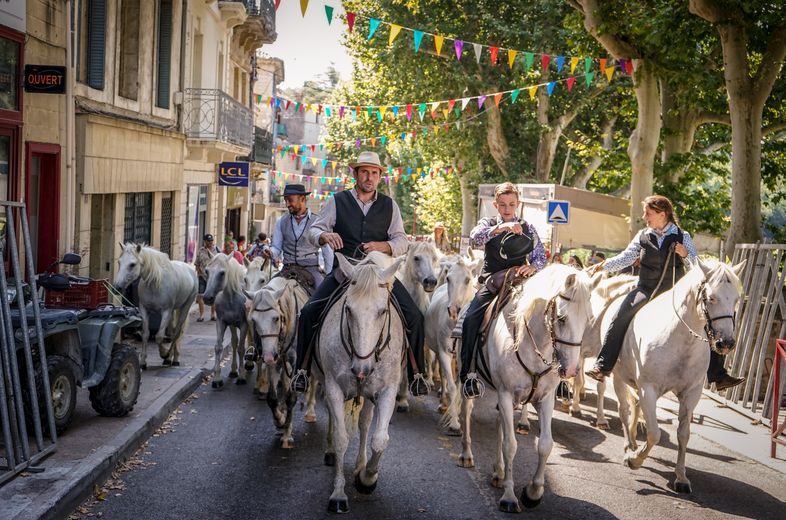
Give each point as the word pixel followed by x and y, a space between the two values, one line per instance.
pixel 42 195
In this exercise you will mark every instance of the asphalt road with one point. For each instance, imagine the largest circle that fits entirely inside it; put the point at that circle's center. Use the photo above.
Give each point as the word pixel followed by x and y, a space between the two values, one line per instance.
pixel 220 459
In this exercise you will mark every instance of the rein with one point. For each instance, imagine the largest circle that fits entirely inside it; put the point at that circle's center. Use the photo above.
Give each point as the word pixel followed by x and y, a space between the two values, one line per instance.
pixel 348 344
pixel 281 339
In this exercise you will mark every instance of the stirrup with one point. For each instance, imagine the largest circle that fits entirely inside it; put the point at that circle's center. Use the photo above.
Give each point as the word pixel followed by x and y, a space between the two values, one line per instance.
pixel 473 387
pixel 419 385
pixel 299 382
pixel 250 354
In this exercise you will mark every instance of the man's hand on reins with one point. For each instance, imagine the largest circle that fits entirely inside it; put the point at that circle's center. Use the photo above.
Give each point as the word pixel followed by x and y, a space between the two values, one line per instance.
pixel 382 247
pixel 526 271
pixel 681 250
pixel 331 239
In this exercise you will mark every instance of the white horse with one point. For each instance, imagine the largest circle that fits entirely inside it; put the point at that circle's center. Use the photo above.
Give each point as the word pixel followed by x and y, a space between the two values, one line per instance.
pixel 259 272
pixel 274 315
pixel 165 286
pixel 443 312
pixel 666 350
pixel 526 358
pixel 225 291
pixel 419 276
pixel 359 356
pixel 605 292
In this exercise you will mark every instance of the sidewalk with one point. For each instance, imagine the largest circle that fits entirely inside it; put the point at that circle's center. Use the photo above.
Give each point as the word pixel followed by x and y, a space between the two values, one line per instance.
pixel 89 449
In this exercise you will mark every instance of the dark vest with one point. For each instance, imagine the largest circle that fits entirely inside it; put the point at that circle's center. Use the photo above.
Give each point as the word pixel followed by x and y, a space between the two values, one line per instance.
pixel 653 259
pixel 356 228
pixel 506 250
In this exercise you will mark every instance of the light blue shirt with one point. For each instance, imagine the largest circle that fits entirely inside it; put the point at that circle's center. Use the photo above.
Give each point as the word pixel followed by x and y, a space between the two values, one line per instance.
pixel 632 252
pixel 277 247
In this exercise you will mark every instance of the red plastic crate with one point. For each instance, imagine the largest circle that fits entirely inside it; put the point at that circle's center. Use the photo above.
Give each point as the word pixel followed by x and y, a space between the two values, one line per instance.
pixel 79 296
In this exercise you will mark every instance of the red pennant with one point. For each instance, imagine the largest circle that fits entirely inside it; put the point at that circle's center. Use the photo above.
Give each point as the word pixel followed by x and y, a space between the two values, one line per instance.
pixel 409 111
pixel 570 82
pixel 494 51
pixel 544 61
pixel 278 3
pixel 451 104
pixel 629 67
pixel 400 170
pixel 350 21
pixel 319 111
pixel 313 148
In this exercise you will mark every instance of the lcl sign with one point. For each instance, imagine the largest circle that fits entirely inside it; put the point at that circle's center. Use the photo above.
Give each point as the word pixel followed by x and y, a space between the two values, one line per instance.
pixel 233 174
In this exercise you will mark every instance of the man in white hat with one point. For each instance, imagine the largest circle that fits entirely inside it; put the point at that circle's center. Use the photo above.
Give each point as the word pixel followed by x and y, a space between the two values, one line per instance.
pixel 355 222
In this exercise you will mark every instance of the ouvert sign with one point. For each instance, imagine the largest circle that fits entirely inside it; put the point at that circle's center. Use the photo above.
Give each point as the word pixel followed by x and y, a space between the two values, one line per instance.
pixel 45 79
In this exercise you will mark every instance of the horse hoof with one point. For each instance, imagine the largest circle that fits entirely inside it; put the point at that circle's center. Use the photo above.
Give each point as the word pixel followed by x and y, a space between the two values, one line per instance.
pixel 330 459
pixel 287 444
pixel 453 432
pixel 402 408
pixel 166 362
pixel 232 375
pixel 442 408
pixel 466 462
pixel 631 462
pixel 362 488
pixel 143 366
pixel 509 506
pixel 310 418
pixel 602 425
pixel 682 487
pixel 217 384
pixel 175 363
pixel 240 382
pixel 528 502
pixel 522 429
pixel 496 482
pixel 338 505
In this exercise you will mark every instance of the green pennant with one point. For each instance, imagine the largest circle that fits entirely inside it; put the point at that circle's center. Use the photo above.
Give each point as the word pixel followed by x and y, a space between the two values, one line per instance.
pixel 530 57
pixel 329 13
pixel 297 106
pixel 457 111
pixel 587 64
pixel 589 77
pixel 514 95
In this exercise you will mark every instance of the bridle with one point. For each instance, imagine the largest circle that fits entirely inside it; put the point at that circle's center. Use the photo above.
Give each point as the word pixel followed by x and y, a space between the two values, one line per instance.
pixel 383 340
pixel 710 335
pixel 281 335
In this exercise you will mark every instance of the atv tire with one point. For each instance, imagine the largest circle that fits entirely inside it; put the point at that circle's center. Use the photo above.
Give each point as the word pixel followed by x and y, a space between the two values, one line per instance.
pixel 117 394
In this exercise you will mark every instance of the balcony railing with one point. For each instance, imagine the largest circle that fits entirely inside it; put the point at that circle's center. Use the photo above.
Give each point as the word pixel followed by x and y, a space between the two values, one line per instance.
pixel 261 151
pixel 212 115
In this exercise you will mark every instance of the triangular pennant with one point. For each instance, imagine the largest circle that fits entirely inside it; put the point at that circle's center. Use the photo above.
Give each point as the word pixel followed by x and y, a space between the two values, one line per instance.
pixel 573 62
pixel 329 13
pixel 278 3
pixel 446 111
pixel 327 111
pixel 409 112
pixel 587 64
pixel 589 76
pixel 550 87
pixel 511 58
pixel 382 110
pixel 459 45
pixel 481 100
pixel 560 63
pixel 313 148
pixel 313 161
pixel 457 111
pixel 514 95
pixel 544 61
pixel 609 73
pixel 529 58
pixel 464 102
pixel 383 139
pixel 341 112
pixel 451 104
pixel 493 51
pixel 418 37
pixel 570 82
pixel 497 98
pixel 438 41
pixel 394 109
pixel 435 105
pixel 602 63
pixel 394 30
pixel 333 164
pixel 350 20
pixel 324 163
pixel 532 90
pixel 629 67
pixel 379 116
pixel 373 24
pixel 354 115
pixel 286 106
pixel 303 6
pixel 478 51
pixel 373 141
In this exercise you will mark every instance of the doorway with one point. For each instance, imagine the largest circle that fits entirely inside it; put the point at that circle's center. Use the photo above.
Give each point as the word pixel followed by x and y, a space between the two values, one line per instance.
pixel 42 194
pixel 232 222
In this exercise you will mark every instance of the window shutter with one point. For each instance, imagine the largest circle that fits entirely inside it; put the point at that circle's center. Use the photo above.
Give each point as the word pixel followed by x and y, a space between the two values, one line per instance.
pixel 96 42
pixel 164 53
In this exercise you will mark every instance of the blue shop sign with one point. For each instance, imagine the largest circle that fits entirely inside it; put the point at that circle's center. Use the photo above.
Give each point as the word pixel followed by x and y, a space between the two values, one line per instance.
pixel 233 174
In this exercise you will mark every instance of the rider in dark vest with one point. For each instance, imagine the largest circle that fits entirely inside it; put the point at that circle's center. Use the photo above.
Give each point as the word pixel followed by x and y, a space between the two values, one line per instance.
pixel 657 248
pixel 508 242
pixel 354 223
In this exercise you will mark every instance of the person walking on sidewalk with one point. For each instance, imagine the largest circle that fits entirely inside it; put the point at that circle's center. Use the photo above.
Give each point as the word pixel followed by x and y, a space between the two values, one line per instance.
pixel 203 257
pixel 355 222
pixel 290 240
pixel 508 242
pixel 657 248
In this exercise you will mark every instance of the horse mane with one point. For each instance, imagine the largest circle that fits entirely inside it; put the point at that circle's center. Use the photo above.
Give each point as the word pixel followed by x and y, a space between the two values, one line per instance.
pixel 719 269
pixel 546 284
pixel 234 272
pixel 257 264
pixel 152 263
pixel 365 277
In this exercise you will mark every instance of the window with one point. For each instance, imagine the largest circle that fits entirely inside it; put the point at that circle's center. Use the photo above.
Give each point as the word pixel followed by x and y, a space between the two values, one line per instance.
pixel 9 74
pixel 96 38
pixel 138 214
pixel 129 49
pixel 164 53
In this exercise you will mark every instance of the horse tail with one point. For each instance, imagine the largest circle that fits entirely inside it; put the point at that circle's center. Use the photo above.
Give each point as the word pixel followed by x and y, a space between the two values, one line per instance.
pixel 453 410
pixel 352 410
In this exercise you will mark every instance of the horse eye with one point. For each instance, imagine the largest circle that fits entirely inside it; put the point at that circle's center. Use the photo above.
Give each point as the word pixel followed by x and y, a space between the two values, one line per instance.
pixel 417 259
pixel 381 312
pixel 132 265
pixel 275 318
pixel 466 280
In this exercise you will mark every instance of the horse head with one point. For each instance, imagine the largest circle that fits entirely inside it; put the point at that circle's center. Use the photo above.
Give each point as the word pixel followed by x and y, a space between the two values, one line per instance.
pixel 222 272
pixel 129 265
pixel 718 295
pixel 460 287
pixel 257 276
pixel 367 309
pixel 271 323
pixel 422 265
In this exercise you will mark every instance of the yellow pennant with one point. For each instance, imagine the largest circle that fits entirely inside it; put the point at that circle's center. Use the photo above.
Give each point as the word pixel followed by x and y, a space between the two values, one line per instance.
pixel 296 147
pixel 394 30
pixel 314 161
pixel 419 170
pixel 303 7
pixel 438 40
pixel 573 62
pixel 511 57
pixel 382 111
pixel 446 112
pixel 333 164
pixel 609 72
pixel 532 91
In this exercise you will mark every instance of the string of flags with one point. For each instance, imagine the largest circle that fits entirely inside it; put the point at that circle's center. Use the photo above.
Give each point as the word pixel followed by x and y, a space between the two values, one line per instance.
pixel 495 53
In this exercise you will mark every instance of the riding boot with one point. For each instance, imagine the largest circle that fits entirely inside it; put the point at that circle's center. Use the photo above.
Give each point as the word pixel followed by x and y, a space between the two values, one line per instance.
pixel 307 325
pixel 615 336
pixel 470 330
pixel 413 319
pixel 716 373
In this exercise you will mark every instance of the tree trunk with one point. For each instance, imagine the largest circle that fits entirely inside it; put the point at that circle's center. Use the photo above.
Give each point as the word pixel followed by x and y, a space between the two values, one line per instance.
pixel 680 126
pixel 582 178
pixel 498 145
pixel 643 142
pixel 468 218
pixel 547 149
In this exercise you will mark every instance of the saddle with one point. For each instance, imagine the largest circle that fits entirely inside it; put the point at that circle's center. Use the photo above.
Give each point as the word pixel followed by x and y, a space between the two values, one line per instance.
pixel 301 275
pixel 501 284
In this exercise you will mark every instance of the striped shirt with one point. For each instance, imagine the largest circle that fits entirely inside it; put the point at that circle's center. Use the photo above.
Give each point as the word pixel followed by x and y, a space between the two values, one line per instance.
pixel 481 234
pixel 631 253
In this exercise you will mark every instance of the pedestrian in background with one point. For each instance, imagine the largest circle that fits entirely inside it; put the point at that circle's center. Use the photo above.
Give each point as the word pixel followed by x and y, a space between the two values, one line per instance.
pixel 203 257
pixel 575 261
pixel 258 249
pixel 230 250
pixel 440 239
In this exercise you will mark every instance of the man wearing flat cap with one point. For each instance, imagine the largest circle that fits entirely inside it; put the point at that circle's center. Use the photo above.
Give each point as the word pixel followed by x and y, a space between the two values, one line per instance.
pixel 355 222
pixel 290 240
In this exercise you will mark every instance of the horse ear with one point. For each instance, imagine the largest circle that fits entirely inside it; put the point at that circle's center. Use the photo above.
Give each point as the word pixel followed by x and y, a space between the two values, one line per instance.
pixel 570 281
pixel 345 266
pixel 139 248
pixel 122 245
pixel 704 267
pixel 249 294
pixel 739 268
pixel 470 253
pixel 388 274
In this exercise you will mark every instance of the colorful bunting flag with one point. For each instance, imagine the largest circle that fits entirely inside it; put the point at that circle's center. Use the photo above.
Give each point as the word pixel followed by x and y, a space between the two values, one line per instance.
pixel 550 87
pixel 560 62
pixel 570 82
pixel 438 41
pixel 464 102
pixel 587 65
pixel 303 6
pixel 529 58
pixel 372 27
pixel 350 20
pixel 609 73
pixel 573 62
pixel 589 76
pixel 511 58
pixel 514 95
pixel 481 100
pixel 544 61
pixel 459 45
pixel 418 37
pixel 409 112
pixel 394 30
pixel 493 51
pixel 329 13
pixel 532 90
pixel 497 99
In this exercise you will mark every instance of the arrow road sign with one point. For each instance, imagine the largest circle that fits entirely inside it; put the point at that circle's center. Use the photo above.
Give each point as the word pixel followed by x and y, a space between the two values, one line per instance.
pixel 558 211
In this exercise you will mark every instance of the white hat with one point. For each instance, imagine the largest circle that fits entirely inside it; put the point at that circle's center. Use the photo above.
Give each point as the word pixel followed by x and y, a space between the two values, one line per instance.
pixel 367 159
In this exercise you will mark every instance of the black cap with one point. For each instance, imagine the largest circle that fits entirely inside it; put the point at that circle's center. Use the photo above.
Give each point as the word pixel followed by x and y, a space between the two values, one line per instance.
pixel 208 237
pixel 294 189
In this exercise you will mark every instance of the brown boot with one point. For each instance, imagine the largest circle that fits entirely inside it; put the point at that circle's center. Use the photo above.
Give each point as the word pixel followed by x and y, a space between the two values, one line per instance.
pixel 727 381
pixel 597 374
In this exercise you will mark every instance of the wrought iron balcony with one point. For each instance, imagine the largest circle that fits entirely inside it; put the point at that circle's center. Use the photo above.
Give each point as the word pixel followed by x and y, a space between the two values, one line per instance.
pixel 213 115
pixel 261 152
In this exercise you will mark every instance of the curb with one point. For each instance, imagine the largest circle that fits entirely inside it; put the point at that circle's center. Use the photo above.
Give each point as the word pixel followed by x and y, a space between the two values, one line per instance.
pixel 98 467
